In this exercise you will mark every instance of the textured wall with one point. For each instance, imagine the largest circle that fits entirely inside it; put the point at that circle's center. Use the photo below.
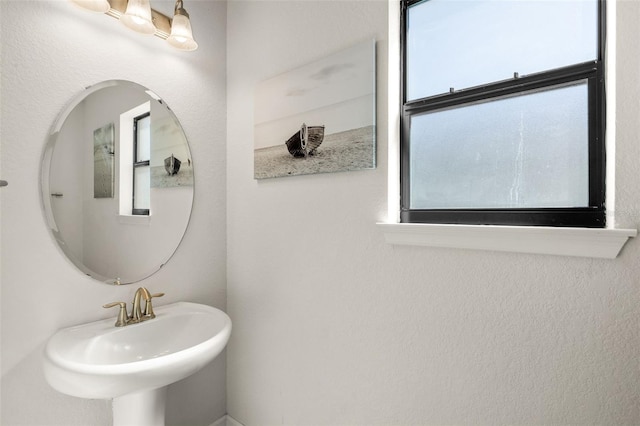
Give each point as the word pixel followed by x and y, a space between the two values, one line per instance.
pixel 50 52
pixel 332 326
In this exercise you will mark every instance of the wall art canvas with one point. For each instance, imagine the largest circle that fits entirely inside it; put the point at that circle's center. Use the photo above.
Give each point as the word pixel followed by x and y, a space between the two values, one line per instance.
pixel 170 156
pixel 103 161
pixel 318 118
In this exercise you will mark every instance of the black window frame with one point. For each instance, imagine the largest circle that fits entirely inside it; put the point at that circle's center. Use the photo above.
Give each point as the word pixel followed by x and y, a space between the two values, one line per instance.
pixel 592 217
pixel 136 164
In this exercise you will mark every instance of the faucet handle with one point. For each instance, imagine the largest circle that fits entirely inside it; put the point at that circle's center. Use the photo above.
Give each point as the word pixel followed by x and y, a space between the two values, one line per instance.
pixel 148 307
pixel 123 318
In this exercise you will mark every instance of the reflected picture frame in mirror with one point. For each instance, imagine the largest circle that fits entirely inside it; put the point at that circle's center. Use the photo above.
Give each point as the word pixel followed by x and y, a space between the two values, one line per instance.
pixel 101 231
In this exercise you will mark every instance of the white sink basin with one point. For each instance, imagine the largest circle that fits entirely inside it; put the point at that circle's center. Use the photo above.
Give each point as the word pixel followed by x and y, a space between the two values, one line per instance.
pixel 99 360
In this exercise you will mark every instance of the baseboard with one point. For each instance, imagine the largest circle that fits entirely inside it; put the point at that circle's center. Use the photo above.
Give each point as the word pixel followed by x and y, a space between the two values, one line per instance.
pixel 233 422
pixel 226 420
pixel 222 421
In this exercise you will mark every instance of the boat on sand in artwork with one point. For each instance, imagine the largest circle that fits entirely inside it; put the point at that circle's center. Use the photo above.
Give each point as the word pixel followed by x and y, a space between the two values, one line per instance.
pixel 172 165
pixel 305 141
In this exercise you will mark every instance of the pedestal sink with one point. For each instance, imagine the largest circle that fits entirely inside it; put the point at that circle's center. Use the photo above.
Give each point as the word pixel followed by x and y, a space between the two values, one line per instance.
pixel 133 365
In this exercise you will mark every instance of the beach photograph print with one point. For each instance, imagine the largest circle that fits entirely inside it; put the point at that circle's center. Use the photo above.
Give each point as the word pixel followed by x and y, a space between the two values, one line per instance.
pixel 103 161
pixel 319 118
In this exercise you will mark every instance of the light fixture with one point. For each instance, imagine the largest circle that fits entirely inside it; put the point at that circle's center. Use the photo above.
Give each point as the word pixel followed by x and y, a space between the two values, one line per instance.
pixel 101 6
pixel 138 17
pixel 181 36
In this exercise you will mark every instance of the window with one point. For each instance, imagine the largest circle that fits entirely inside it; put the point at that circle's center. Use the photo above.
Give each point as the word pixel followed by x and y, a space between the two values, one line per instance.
pixel 134 187
pixel 503 112
pixel 141 168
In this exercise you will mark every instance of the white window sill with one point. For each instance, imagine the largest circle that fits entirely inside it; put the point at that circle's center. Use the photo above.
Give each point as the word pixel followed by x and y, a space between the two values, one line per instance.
pixel 134 219
pixel 583 242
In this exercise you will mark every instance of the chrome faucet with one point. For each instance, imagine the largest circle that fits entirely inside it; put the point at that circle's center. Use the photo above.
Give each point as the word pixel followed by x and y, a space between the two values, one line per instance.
pixel 137 313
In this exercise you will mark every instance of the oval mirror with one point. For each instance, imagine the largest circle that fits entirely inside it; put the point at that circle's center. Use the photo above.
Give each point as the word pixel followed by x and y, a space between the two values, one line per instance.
pixel 117 182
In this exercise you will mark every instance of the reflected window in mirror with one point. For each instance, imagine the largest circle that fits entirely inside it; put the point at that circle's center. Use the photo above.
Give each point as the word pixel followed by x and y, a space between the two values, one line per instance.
pixel 141 164
pixel 134 174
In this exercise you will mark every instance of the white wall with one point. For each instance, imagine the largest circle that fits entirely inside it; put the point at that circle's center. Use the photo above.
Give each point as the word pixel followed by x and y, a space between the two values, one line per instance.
pixel 50 52
pixel 332 326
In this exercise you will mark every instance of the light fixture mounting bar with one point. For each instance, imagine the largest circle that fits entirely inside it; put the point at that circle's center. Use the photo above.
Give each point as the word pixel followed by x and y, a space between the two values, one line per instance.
pixel 160 21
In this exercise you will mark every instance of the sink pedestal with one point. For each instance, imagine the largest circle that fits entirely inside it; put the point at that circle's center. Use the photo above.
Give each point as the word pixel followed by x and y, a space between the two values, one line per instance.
pixel 145 408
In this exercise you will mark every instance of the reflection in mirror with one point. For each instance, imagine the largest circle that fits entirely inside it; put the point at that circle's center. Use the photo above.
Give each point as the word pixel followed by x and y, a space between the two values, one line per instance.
pixel 117 182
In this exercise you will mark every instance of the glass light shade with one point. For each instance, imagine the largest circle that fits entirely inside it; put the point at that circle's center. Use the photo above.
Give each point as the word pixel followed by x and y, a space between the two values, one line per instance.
pixel 138 17
pixel 181 36
pixel 101 6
